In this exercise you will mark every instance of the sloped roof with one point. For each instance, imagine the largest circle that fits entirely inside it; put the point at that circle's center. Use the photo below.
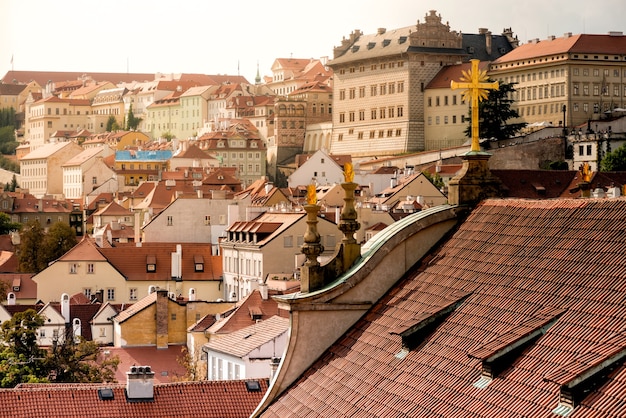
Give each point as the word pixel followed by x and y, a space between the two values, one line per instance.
pixel 241 343
pixel 241 317
pixel 207 399
pixel 85 250
pixel 511 260
pixel 134 268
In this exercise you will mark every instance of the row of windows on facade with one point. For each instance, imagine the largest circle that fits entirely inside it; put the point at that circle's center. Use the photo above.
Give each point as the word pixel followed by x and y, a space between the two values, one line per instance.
pixel 375 113
pixel 581 149
pixel 375 90
pixel 373 67
pixel 35 125
pixel 288 240
pixel 373 133
pixel 25 219
pixel 598 89
pixel 240 156
pixel 576 71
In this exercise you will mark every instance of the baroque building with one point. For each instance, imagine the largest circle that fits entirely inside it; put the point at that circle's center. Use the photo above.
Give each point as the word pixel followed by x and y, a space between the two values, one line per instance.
pixel 379 86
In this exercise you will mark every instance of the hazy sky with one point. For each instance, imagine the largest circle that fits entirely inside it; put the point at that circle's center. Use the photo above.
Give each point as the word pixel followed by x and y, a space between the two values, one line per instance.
pixel 211 37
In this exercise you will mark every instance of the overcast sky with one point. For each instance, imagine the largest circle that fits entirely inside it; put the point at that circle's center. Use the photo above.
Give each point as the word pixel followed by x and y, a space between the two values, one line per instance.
pixel 218 37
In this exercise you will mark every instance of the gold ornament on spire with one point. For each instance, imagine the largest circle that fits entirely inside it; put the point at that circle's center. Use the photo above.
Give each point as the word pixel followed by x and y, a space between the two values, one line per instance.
pixel 348 172
pixel 477 88
pixel 311 194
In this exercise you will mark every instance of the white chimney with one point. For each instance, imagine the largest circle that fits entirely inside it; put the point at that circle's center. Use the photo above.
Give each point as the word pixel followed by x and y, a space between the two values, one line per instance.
pixel 192 294
pixel 11 298
pixel 268 187
pixel 263 290
pixel 65 307
pixel 140 383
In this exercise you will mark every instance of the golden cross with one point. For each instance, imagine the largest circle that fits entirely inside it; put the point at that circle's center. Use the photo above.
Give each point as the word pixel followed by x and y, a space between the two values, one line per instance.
pixel 474 82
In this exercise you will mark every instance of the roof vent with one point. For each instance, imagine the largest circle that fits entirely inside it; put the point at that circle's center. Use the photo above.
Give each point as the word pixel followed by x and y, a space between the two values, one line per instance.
pixel 498 354
pixel 587 372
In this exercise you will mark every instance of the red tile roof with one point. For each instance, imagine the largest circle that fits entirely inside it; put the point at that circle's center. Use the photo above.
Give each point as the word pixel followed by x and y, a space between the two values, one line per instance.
pixel 514 258
pixel 206 399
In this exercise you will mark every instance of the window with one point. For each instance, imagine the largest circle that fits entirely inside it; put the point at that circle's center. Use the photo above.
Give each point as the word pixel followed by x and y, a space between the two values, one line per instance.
pixel 374 110
pixel 362 91
pixel 151 264
pixel 342 95
pixel 400 86
pixel 342 117
pixel 73 268
pixel 207 219
pixel 581 150
pixel 588 149
pixel 170 220
pixel 111 293
pixel 173 316
pixel 103 332
pixel 352 93
pixel 94 180
pixel 90 268
pixel 373 90
pixel 42 332
pixel 288 241
pixel 132 293
pixel 87 292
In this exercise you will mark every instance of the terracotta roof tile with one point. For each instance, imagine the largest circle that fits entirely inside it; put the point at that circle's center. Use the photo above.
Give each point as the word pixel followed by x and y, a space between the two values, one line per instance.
pixel 207 399
pixel 515 258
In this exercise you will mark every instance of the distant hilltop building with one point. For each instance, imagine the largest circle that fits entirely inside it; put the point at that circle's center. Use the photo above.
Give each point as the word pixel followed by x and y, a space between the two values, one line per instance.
pixel 380 79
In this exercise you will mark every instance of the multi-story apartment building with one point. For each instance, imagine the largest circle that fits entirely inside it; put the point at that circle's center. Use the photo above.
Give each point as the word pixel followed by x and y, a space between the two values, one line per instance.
pixel 85 172
pixel 42 169
pixel 585 75
pixel 137 166
pixel 239 145
pixel 110 102
pixel 193 111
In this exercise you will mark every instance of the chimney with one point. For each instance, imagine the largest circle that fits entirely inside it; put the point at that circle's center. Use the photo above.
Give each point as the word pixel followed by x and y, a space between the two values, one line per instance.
pixel 11 299
pixel 137 227
pixel 162 319
pixel 268 187
pixel 140 384
pixel 192 294
pixel 65 307
pixel 263 289
pixel 488 41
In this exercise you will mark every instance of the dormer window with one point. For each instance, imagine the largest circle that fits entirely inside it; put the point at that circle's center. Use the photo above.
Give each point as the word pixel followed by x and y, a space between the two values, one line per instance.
pixel 198 263
pixel 151 264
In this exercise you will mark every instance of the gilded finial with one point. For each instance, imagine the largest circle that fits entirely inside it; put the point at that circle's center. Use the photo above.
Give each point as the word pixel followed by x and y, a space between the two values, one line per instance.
pixel 348 172
pixel 311 194
pixel 586 172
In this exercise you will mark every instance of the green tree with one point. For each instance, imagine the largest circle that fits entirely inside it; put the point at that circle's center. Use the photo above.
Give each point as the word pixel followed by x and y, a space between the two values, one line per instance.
pixel 132 122
pixel 6 225
pixel 30 254
pixel 614 160
pixel 76 360
pixel 494 114
pixel 22 360
pixel 435 179
pixel 13 186
pixel 59 239
pixel 69 360
pixel 112 124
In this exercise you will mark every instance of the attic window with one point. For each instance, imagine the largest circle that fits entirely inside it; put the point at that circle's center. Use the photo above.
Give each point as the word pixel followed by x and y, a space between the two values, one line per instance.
pixel 371 45
pixel 198 263
pixel 587 372
pixel 151 264
pixel 415 331
pixel 106 394
pixel 386 42
pixel 253 386
pixel 402 39
pixel 355 48
pixel 498 354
